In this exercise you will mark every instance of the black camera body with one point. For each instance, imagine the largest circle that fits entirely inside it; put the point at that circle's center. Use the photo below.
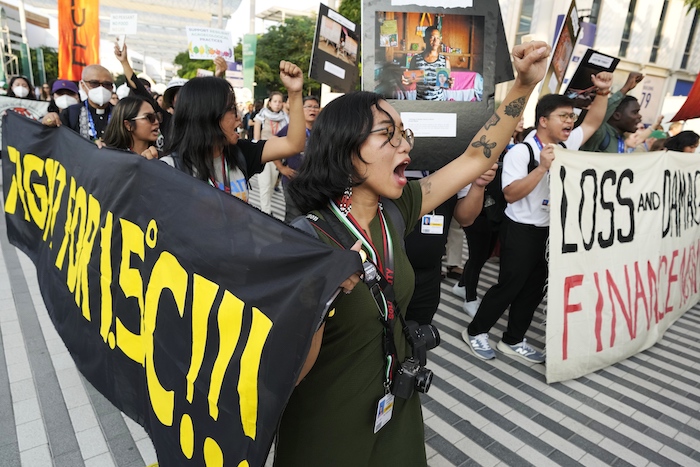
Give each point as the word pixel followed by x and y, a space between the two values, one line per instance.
pixel 412 374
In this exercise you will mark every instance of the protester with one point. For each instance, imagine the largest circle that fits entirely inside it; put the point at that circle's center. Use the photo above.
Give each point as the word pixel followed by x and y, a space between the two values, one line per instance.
pixel 622 116
pixel 170 93
pixel 430 60
pixel 350 163
pixel 45 92
pixel 525 231
pixel 134 126
pixel 21 88
pixel 675 128
pixel 247 121
pixel 288 168
pixel 64 93
pixel 268 122
pixel 685 141
pixel 89 118
pixel 204 141
pixel 658 145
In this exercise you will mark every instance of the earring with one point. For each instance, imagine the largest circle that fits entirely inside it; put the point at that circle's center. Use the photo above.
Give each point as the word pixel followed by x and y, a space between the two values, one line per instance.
pixel 345 204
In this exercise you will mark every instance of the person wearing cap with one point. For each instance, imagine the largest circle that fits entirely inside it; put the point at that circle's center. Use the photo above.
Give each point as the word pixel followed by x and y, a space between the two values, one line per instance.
pixel 89 118
pixel 64 93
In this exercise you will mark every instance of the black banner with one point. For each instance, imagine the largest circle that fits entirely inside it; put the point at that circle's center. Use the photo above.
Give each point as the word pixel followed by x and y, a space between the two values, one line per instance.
pixel 188 309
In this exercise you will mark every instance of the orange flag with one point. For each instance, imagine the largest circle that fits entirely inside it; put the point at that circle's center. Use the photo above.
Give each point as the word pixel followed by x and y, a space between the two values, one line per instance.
pixel 79 36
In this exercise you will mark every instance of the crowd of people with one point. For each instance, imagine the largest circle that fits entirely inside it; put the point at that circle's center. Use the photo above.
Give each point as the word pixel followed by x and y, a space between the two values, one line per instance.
pixel 347 165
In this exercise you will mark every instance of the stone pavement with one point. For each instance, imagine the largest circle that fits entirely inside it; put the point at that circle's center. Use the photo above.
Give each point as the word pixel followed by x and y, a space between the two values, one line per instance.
pixel 642 411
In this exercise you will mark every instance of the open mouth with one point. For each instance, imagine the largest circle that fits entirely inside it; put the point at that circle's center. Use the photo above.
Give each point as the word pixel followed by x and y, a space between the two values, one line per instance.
pixel 399 172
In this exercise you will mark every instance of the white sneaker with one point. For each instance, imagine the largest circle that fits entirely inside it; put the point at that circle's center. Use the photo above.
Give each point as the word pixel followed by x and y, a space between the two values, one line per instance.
pixel 472 307
pixel 460 291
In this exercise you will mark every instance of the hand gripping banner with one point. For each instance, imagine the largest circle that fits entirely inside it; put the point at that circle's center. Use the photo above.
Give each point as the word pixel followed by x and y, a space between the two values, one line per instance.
pixel 189 310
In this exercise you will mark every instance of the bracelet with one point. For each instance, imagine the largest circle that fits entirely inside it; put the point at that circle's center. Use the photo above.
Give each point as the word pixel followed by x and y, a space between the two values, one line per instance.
pixel 604 93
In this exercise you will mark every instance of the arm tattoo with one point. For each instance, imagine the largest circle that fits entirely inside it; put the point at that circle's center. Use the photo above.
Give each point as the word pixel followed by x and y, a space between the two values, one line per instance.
pixel 426 184
pixel 492 121
pixel 486 145
pixel 515 108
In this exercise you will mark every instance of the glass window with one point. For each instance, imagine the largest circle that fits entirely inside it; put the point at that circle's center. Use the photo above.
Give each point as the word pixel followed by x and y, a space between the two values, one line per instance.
pixel 625 41
pixel 657 36
pixel 525 20
pixel 689 44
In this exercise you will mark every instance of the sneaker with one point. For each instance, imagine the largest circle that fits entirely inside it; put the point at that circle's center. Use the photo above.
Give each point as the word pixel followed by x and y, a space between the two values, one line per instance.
pixel 472 307
pixel 459 290
pixel 522 351
pixel 479 345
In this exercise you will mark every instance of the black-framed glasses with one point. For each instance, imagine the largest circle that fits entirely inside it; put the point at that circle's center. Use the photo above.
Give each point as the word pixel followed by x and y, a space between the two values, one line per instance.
pixel 93 83
pixel 394 137
pixel 152 117
pixel 566 116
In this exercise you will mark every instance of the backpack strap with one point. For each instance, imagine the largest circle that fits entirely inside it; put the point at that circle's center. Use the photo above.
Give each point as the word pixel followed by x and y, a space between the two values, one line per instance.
pixel 604 144
pixel 532 165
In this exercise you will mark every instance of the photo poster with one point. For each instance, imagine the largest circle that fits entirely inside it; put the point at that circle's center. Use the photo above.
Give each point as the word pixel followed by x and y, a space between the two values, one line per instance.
pixel 585 40
pixel 581 88
pixel 473 39
pixel 562 50
pixel 334 57
pixel 209 43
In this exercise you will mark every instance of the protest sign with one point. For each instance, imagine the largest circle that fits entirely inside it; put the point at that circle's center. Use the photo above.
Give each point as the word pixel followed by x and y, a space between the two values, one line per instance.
pixel 123 23
pixel 29 108
pixel 209 43
pixel 624 253
pixel 192 312
pixel 334 55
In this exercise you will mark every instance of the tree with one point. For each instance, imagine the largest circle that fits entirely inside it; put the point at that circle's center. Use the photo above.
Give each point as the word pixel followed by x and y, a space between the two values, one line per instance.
pixel 352 10
pixel 692 4
pixel 291 41
pixel 189 67
pixel 50 64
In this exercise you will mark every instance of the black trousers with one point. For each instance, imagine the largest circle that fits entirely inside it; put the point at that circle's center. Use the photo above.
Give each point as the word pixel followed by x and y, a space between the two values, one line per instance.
pixel 521 281
pixel 481 239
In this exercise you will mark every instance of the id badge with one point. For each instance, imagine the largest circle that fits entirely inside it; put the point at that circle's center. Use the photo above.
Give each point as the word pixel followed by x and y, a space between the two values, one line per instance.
pixel 545 205
pixel 385 408
pixel 433 224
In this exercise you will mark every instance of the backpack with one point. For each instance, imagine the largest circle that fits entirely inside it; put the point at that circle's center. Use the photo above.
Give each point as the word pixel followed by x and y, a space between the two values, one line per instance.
pixel 532 165
pixel 494 199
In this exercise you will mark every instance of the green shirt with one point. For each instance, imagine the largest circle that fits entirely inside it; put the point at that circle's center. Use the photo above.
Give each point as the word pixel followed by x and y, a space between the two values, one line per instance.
pixel 606 138
pixel 329 420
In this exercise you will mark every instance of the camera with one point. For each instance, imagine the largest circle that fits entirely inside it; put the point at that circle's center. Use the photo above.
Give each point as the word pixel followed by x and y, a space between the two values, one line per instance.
pixel 412 374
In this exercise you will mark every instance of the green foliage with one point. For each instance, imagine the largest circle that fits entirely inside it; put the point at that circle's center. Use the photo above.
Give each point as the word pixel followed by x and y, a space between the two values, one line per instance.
pixel 50 64
pixel 190 67
pixel 352 10
pixel 692 4
pixel 291 41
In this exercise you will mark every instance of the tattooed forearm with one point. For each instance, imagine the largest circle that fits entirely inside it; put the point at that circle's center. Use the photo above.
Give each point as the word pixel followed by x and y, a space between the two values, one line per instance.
pixel 515 108
pixel 492 121
pixel 486 145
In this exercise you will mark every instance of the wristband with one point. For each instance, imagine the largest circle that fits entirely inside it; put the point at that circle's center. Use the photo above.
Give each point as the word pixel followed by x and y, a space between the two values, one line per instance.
pixel 603 93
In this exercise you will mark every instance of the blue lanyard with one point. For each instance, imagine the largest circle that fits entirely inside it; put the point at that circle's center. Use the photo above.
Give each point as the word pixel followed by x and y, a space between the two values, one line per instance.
pixel 92 132
pixel 620 144
pixel 538 143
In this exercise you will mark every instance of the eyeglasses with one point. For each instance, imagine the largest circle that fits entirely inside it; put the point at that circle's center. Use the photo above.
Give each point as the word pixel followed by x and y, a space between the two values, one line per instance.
pixel 564 117
pixel 394 137
pixel 151 117
pixel 93 83
pixel 314 107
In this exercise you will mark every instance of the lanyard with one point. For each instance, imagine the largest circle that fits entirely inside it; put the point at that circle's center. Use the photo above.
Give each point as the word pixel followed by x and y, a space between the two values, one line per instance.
pixel 92 131
pixel 538 143
pixel 226 185
pixel 385 307
pixel 620 144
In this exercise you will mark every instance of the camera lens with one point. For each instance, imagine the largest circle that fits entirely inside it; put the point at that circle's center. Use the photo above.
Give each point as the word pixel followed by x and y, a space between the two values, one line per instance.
pixel 430 334
pixel 424 378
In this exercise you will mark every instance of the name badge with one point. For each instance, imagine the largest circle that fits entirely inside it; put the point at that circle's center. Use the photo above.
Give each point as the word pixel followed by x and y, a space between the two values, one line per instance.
pixel 432 224
pixel 545 205
pixel 385 409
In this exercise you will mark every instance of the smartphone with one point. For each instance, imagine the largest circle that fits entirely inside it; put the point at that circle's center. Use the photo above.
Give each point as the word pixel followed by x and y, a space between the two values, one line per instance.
pixel 120 41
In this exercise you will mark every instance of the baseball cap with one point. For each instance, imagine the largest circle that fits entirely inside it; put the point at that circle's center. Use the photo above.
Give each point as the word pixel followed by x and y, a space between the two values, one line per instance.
pixel 64 84
pixel 173 87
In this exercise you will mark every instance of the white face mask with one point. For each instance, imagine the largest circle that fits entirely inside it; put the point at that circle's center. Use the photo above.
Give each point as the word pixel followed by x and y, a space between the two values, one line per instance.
pixel 99 96
pixel 82 94
pixel 65 101
pixel 20 91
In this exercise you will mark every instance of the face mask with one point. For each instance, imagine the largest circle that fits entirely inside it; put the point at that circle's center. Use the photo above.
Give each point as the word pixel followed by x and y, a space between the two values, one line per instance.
pixel 83 96
pixel 99 96
pixel 20 91
pixel 65 101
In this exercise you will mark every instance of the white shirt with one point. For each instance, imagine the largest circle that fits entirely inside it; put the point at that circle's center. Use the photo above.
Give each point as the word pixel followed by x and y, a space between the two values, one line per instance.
pixel 533 209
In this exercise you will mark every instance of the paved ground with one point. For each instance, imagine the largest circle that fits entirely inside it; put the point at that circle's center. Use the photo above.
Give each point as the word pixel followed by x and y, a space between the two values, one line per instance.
pixel 643 411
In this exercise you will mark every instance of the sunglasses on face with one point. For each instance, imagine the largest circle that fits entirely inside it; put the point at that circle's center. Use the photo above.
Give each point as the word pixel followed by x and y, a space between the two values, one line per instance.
pixel 152 117
pixel 93 83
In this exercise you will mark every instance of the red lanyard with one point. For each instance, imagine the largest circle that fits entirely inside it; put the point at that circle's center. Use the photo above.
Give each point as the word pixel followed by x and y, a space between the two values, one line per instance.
pixel 225 186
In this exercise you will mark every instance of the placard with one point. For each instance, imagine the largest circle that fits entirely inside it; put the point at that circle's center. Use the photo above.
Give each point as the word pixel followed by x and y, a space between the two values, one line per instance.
pixel 209 43
pixel 123 23
pixel 581 88
pixel 562 51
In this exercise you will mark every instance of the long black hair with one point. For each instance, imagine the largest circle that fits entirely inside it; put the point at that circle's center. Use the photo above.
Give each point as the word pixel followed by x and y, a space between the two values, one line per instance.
pixel 11 93
pixel 116 133
pixel 336 137
pixel 195 131
pixel 682 140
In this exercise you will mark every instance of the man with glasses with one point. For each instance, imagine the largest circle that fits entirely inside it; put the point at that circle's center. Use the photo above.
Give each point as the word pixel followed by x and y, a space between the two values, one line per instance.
pixel 525 229
pixel 288 168
pixel 88 118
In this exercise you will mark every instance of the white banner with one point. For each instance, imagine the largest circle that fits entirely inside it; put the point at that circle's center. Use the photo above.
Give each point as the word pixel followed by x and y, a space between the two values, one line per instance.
pixel 624 246
pixel 209 43
pixel 123 23
pixel 27 107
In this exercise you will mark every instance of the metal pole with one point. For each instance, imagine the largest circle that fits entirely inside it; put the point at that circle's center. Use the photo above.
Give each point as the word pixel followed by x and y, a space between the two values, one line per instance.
pixel 23 27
